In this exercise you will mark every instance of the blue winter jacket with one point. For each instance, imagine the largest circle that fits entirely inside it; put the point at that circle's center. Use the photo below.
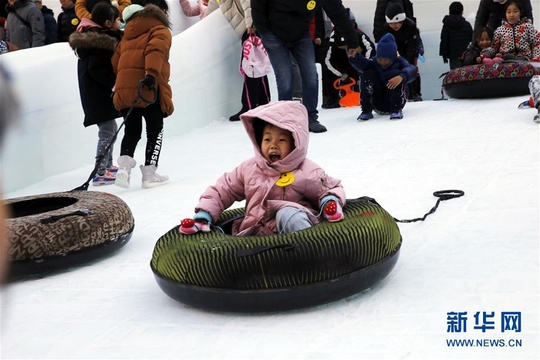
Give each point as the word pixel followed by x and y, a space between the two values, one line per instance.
pixel 408 71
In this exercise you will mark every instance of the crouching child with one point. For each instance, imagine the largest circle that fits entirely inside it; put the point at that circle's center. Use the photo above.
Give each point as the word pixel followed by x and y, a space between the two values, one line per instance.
pixel 384 77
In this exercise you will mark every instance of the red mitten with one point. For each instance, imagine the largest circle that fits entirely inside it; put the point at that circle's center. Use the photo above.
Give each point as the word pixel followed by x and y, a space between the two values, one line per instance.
pixel 190 226
pixel 333 211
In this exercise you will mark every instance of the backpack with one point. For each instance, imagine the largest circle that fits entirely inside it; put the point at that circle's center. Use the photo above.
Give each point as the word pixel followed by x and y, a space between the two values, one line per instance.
pixel 255 62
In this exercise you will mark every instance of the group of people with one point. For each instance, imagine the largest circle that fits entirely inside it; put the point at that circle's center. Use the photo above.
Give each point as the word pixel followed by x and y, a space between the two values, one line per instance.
pixel 135 63
pixel 503 30
pixel 28 23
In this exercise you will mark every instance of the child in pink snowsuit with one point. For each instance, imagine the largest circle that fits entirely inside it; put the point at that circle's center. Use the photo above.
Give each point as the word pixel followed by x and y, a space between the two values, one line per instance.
pixel 283 190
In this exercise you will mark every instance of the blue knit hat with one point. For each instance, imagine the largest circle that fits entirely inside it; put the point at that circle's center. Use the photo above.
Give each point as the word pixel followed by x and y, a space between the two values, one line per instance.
pixel 130 11
pixel 387 48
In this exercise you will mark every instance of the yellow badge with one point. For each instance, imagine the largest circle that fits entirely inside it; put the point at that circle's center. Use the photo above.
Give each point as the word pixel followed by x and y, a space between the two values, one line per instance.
pixel 285 179
pixel 74 21
pixel 311 5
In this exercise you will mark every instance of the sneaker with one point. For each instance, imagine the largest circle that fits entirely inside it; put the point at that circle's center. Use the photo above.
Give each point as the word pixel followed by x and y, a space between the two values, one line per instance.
pixel 365 115
pixel 113 169
pixel 396 115
pixel 106 179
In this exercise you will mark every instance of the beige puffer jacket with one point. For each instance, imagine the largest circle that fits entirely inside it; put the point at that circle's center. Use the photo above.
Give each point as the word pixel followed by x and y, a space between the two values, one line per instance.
pixel 237 13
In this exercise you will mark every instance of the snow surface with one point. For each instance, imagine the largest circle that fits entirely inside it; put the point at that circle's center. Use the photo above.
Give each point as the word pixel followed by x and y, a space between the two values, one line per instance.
pixel 477 253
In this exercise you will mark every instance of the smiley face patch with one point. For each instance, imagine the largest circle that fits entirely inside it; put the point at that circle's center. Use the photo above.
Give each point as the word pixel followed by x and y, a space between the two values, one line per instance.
pixel 285 179
pixel 311 5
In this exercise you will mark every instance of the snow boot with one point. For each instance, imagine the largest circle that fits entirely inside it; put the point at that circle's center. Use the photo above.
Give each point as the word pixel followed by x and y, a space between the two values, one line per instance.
pixel 125 164
pixel 150 178
pixel 315 126
pixel 365 115
pixel 396 115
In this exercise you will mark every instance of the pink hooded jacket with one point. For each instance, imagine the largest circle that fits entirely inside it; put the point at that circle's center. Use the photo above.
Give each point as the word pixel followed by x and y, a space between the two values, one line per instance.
pixel 254 180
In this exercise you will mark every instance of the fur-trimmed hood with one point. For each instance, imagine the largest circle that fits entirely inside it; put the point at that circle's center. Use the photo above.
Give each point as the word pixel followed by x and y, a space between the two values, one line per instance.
pixel 92 40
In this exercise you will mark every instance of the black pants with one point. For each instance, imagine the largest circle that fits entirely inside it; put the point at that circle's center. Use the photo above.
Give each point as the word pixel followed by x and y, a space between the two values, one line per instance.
pixel 256 91
pixel 153 117
pixel 374 95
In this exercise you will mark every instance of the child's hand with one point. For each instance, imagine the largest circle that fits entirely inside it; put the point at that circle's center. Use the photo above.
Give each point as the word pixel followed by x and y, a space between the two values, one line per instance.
pixel 394 82
pixel 200 222
pixel 191 226
pixel 333 211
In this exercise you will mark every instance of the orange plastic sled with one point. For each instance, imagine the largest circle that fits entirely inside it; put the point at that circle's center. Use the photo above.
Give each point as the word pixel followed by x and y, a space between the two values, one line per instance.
pixel 351 98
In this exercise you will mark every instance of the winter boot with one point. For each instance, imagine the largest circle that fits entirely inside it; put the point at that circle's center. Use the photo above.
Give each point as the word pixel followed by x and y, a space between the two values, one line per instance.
pixel 365 115
pixel 125 164
pixel 236 117
pixel 150 178
pixel 396 115
pixel 315 126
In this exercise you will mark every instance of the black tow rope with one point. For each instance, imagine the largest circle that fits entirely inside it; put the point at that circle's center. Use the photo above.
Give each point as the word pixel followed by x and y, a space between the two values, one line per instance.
pixel 139 96
pixel 442 195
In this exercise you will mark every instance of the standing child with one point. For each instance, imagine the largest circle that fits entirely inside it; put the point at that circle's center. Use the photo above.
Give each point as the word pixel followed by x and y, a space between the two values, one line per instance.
pixel 338 65
pixel 409 44
pixel 67 20
pixel 455 35
pixel 142 57
pixel 516 38
pixel 94 43
pixel 383 80
pixel 283 189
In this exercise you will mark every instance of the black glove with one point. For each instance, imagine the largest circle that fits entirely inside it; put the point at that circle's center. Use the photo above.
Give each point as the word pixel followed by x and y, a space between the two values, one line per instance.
pixel 149 81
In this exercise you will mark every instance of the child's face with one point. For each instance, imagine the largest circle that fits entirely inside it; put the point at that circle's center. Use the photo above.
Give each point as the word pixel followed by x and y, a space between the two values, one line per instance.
pixel 484 41
pixel 117 24
pixel 384 62
pixel 276 143
pixel 512 14
pixel 396 26
pixel 67 4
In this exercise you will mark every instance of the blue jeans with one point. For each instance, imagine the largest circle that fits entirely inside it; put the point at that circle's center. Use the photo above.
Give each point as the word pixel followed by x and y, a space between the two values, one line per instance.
pixel 290 219
pixel 280 52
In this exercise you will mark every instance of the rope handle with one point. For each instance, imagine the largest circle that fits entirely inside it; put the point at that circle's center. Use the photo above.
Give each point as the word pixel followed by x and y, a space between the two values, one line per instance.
pixel 442 195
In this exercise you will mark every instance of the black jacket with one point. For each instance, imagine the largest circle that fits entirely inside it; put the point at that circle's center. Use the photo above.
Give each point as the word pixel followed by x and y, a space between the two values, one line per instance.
pixel 470 55
pixel 407 40
pixel 95 72
pixel 456 35
pixel 379 19
pixel 67 24
pixel 289 19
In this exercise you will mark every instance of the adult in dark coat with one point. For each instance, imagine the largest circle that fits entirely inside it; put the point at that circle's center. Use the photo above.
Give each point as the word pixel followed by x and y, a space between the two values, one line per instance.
pixel 67 21
pixel 491 12
pixel 49 21
pixel 284 28
pixel 456 35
